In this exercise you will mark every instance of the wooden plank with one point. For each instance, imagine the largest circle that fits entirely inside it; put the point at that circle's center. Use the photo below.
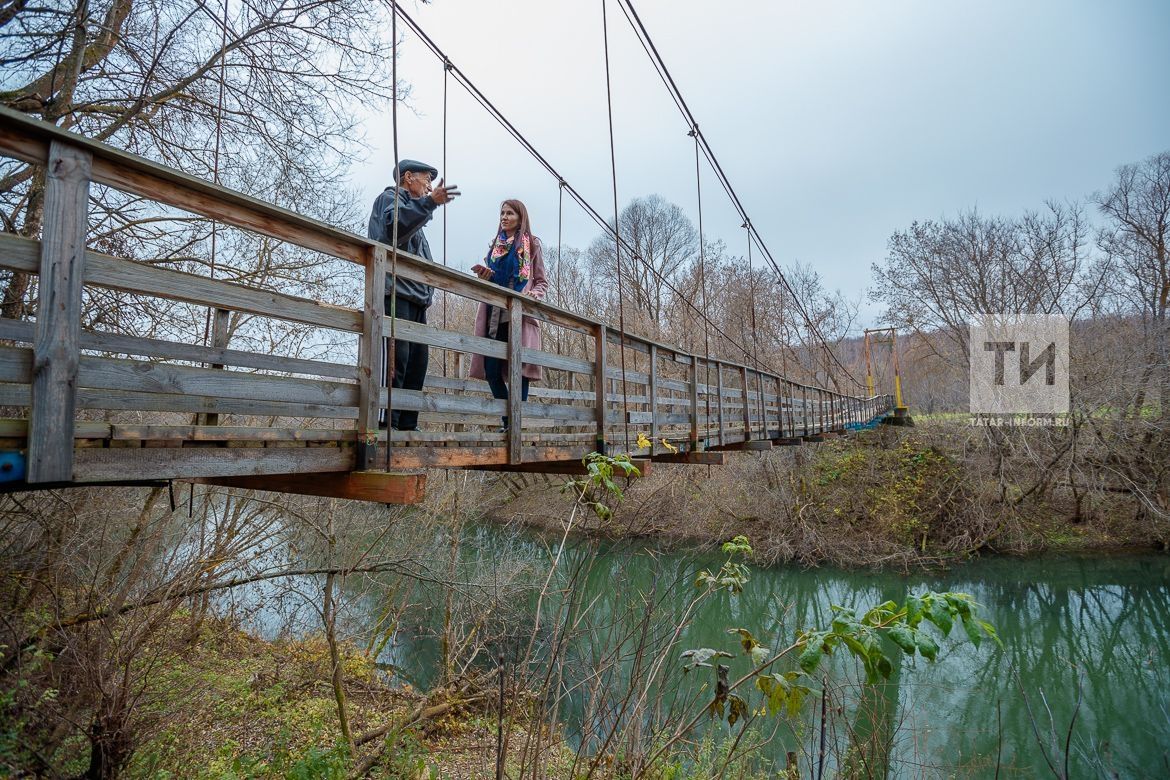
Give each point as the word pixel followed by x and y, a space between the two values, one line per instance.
pixel 96 465
pixel 370 369
pixel 645 418
pixel 16 365
pixel 515 377
pixel 195 353
pixel 57 347
pixel 18 429
pixel 124 400
pixel 406 330
pixel 133 375
pixel 599 374
pixel 378 486
pixel 631 342
pixel 538 357
pixel 201 433
pixel 199 197
pixel 118 273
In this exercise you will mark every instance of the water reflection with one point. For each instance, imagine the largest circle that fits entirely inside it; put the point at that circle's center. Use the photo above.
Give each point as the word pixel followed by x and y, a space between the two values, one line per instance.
pixel 1074 628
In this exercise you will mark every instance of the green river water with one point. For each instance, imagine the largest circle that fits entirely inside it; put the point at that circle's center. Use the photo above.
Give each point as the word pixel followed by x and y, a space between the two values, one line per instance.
pixel 1089 629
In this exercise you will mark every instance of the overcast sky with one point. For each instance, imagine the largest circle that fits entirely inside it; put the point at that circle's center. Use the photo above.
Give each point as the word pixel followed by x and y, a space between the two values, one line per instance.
pixel 838 123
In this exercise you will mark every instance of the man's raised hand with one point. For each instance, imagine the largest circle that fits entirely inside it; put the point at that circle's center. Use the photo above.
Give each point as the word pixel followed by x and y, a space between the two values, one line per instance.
pixel 444 193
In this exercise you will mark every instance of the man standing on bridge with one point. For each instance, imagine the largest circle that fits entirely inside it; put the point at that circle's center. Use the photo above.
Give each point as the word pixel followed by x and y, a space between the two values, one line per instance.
pixel 414 201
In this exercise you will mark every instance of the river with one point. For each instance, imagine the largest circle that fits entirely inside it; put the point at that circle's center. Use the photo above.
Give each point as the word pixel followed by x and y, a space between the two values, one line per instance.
pixel 1093 630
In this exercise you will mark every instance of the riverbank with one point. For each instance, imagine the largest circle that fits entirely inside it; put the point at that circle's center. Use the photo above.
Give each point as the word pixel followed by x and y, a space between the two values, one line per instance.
pixel 889 498
pixel 234 705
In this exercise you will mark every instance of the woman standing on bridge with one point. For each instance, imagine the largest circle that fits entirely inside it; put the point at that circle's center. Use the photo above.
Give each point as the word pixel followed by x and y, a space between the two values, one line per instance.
pixel 514 260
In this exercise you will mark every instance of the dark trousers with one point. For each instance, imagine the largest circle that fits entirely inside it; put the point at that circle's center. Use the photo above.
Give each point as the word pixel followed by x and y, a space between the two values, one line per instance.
pixel 410 362
pixel 493 371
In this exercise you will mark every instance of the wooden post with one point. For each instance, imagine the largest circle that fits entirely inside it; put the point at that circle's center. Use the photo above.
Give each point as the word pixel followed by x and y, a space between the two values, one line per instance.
pixel 370 368
pixel 653 388
pixel 719 389
pixel 779 409
pixel 804 408
pixel 515 377
pixel 599 333
pixel 219 339
pixel 694 390
pixel 55 348
pixel 747 409
pixel 762 403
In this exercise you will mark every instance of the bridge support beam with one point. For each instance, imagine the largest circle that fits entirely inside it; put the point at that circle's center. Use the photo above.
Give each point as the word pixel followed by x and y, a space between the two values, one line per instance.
pixel 378 486
pixel 755 445
pixel 556 467
pixel 707 458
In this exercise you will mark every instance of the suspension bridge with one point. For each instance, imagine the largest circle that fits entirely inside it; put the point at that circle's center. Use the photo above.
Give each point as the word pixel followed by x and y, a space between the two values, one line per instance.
pixel 107 406
pixel 103 407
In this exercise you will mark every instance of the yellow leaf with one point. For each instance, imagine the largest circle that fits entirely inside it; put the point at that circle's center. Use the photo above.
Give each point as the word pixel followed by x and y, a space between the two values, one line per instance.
pixel 669 446
pixel 643 442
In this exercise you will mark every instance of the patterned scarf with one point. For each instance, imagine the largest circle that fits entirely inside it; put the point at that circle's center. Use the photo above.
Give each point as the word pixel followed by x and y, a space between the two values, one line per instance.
pixel 511 264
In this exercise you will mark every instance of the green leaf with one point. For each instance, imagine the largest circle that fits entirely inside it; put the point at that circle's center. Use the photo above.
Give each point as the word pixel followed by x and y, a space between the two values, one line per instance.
pixel 810 658
pixel 972 630
pixel 940 615
pixel 990 631
pixel 913 610
pixel 926 645
pixel 903 637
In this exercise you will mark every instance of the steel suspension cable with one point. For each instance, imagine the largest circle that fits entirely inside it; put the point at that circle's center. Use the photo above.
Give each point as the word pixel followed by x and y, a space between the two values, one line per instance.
pixel 215 159
pixel 703 291
pixel 617 240
pixel 647 42
pixel 588 208
pixel 392 347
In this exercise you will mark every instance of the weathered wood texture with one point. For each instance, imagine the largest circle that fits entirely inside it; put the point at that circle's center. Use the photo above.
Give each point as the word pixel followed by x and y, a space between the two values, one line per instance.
pixel 57 346
pixel 378 486
pixel 676 400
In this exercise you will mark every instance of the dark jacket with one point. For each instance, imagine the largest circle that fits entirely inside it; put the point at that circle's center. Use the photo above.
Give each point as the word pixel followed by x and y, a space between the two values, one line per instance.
pixel 413 214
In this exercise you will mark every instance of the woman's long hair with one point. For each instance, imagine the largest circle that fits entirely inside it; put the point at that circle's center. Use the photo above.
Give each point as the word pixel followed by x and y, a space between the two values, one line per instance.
pixel 524 227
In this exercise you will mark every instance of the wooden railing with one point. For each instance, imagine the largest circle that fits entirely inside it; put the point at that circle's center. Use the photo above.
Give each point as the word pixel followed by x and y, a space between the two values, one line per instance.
pixel 679 401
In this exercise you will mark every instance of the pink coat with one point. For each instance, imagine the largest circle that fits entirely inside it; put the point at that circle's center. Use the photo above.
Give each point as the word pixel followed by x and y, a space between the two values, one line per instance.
pixel 530 333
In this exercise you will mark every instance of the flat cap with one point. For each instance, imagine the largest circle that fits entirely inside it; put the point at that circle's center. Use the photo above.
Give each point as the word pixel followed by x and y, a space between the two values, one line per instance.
pixel 407 166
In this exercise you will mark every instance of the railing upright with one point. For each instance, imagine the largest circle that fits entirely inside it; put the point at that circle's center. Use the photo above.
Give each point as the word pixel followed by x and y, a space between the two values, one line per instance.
pixel 599 384
pixel 515 378
pixel 370 367
pixel 652 389
pixel 56 350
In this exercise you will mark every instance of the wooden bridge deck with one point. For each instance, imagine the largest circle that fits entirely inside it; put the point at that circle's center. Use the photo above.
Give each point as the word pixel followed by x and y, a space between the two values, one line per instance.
pixel 89 403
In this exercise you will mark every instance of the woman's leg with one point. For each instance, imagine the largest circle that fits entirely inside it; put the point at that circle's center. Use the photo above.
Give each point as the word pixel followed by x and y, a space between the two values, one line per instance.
pixel 493 370
pixel 524 388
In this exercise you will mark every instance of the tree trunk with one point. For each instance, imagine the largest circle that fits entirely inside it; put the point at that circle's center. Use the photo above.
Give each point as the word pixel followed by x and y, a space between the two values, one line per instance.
pixel 13 305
